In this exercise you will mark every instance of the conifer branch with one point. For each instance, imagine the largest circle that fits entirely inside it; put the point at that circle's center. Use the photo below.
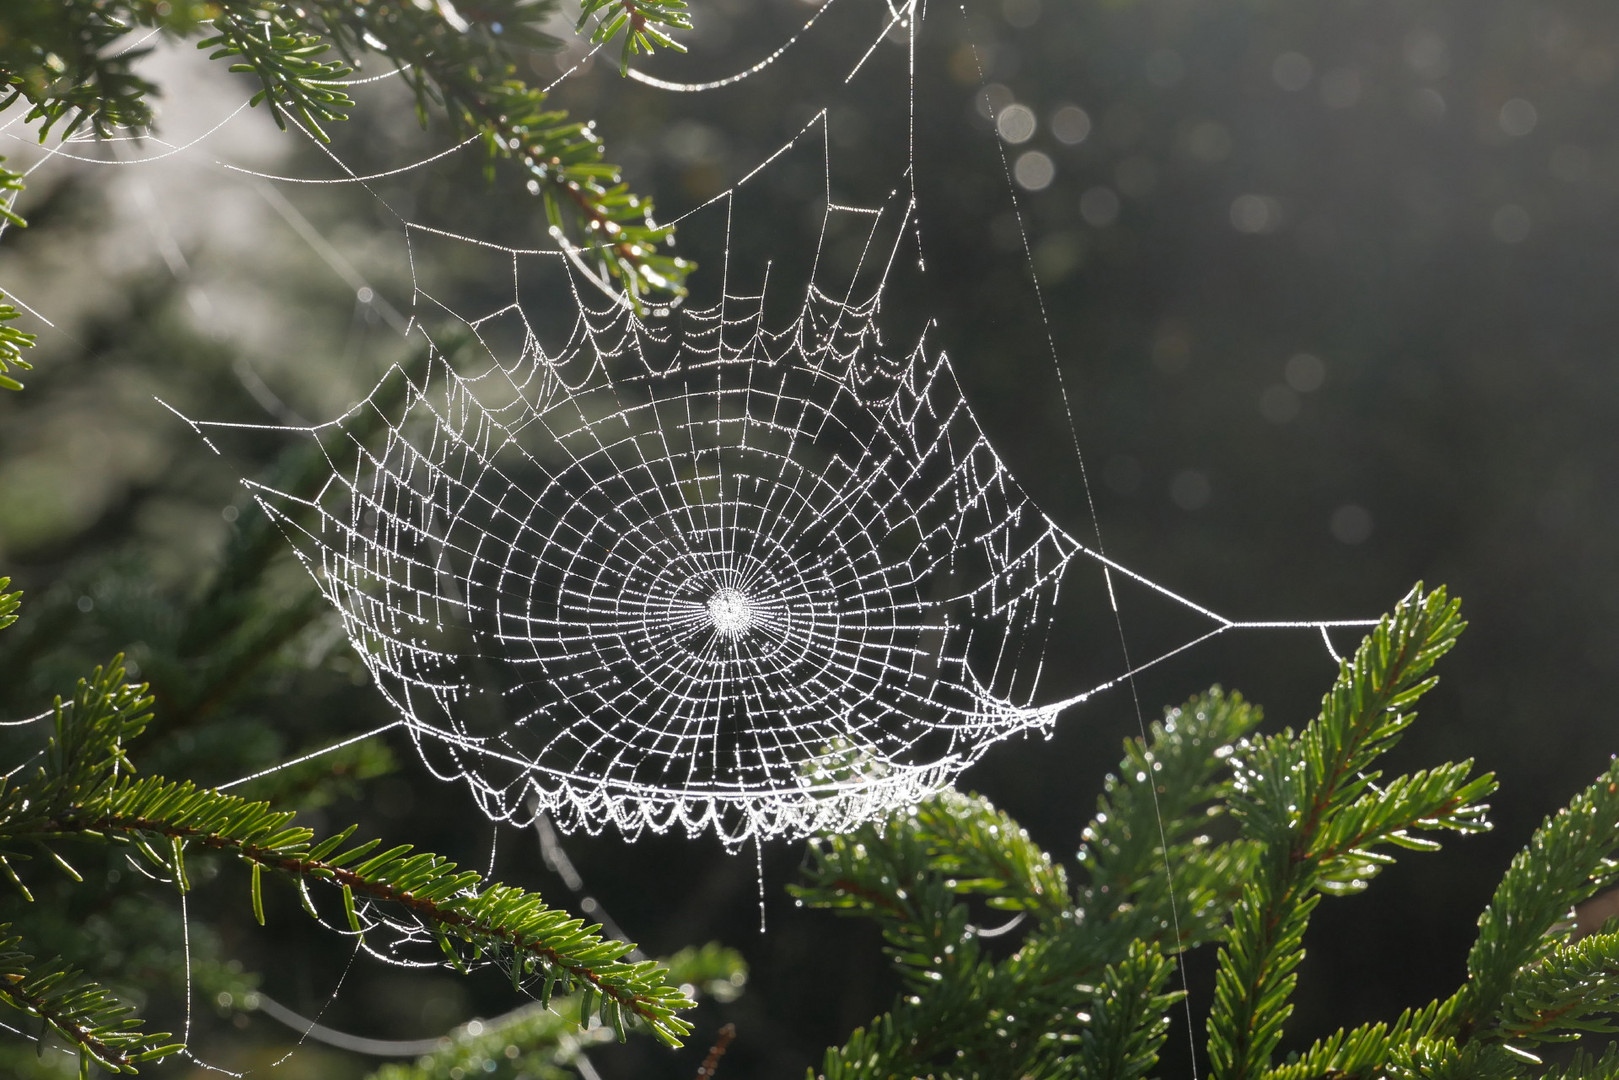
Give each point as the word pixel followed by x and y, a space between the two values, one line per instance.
pixel 640 21
pixel 1169 789
pixel 1570 858
pixel 11 184
pixel 541 1042
pixel 1313 805
pixel 57 56
pixel 926 931
pixel 101 1028
pixel 1572 992
pixel 1585 1066
pixel 1446 1059
pixel 1128 1020
pixel 85 791
pixel 160 818
pixel 12 340
pixel 276 46
pixel 465 65
pixel 1085 965
pixel 983 852
pixel 960 1007
pixel 1362 1052
pixel 10 603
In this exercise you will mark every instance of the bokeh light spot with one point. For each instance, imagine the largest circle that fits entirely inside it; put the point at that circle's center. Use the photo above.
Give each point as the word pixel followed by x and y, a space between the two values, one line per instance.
pixel 1351 524
pixel 1033 171
pixel 1510 224
pixel 1099 207
pixel 1015 124
pixel 1278 404
pixel 1190 489
pixel 1305 372
pixel 1070 124
pixel 1292 71
pixel 1255 214
pixel 1518 117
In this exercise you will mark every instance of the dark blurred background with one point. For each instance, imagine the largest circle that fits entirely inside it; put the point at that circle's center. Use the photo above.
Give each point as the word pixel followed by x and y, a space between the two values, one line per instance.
pixel 1331 291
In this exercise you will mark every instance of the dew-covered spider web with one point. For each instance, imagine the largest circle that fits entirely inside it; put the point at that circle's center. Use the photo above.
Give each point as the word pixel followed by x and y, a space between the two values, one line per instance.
pixel 748 566
pixel 695 571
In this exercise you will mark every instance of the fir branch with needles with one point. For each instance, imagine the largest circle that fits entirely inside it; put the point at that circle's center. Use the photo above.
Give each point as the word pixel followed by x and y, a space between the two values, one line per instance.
pixel 84 793
pixel 85 1015
pixel 59 56
pixel 12 339
pixel 64 60
pixel 1186 759
pixel 1296 817
pixel 535 1043
pixel 473 922
pixel 465 64
pixel 1585 1066
pixel 1087 987
pixel 1570 858
pixel 1312 804
pixel 10 604
pixel 644 24
pixel 12 342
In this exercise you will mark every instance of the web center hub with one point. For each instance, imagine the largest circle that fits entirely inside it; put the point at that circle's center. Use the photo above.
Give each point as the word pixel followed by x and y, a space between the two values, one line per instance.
pixel 731 612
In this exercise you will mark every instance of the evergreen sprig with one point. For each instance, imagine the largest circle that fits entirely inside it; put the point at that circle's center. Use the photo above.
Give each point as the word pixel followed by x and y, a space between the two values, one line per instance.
pixel 1571 992
pixel 10 604
pixel 1323 825
pixel 1172 790
pixel 1523 933
pixel 1363 1051
pixel 1128 1018
pixel 57 55
pixel 85 751
pixel 472 921
pixel 12 340
pixel 81 761
pixel 640 21
pixel 537 1043
pixel 61 57
pixel 1586 1066
pixel 1084 993
pixel 11 184
pixel 467 66
pixel 105 1030
pixel 84 792
pixel 276 46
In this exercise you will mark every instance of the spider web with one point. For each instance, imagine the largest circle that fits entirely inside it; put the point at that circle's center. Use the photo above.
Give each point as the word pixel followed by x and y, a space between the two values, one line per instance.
pixel 748 567
pixel 693 570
